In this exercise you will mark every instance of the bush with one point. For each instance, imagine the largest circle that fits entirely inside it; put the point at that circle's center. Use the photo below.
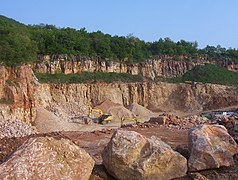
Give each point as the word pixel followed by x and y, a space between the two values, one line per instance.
pixel 6 101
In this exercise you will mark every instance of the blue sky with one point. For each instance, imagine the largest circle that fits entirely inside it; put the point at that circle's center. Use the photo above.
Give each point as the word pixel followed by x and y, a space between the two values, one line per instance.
pixel 210 22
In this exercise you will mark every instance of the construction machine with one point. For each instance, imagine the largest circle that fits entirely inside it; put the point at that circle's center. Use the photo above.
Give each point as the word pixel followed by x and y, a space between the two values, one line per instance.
pixel 192 83
pixel 188 82
pixel 103 118
pixel 129 119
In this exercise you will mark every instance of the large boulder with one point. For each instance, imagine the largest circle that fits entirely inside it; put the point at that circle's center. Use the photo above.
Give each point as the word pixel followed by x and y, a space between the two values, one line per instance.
pixel 211 147
pixel 48 158
pixel 129 155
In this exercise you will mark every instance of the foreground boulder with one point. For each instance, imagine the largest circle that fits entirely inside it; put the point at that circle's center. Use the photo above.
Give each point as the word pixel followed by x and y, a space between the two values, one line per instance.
pixel 211 147
pixel 129 155
pixel 48 158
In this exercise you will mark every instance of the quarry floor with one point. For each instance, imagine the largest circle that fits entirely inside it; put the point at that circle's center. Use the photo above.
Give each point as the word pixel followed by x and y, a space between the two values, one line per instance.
pixel 95 137
pixel 94 142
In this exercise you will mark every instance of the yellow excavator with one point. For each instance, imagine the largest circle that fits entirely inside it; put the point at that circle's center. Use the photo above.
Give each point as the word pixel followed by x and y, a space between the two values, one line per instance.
pixel 129 119
pixel 188 82
pixel 103 118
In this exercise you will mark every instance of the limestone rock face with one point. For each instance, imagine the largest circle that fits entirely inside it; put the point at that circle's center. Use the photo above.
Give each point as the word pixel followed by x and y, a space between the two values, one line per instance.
pixel 17 85
pixel 163 96
pixel 129 155
pixel 160 66
pixel 47 158
pixel 211 147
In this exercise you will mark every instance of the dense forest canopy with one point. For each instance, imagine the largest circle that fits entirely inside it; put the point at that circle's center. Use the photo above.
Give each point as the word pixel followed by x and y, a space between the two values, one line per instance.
pixel 21 43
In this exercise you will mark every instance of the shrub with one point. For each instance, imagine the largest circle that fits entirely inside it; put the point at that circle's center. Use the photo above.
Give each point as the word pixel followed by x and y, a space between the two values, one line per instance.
pixel 6 101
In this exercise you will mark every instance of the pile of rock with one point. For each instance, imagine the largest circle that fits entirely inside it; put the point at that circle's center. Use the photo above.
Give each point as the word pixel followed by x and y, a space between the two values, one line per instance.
pixel 227 117
pixel 140 112
pixel 197 120
pixel 116 110
pixel 171 120
pixel 15 128
pixel 231 125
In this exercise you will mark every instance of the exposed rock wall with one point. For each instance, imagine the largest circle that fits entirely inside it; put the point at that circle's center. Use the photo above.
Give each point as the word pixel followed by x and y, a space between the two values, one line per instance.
pixel 163 96
pixel 19 85
pixel 159 67
pixel 233 67
pixel 17 93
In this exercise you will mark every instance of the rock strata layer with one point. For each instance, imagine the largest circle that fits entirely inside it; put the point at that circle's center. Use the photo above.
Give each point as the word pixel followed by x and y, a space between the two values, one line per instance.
pixel 158 96
pixel 162 66
pixel 17 87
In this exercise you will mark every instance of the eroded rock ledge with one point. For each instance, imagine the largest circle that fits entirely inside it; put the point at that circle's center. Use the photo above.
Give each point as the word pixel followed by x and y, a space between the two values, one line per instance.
pixel 162 66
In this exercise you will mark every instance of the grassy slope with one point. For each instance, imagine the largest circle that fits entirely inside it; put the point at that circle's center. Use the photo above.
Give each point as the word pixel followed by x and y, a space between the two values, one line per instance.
pixel 87 77
pixel 208 73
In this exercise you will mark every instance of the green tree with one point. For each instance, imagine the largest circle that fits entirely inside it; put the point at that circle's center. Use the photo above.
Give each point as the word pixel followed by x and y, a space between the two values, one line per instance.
pixel 16 47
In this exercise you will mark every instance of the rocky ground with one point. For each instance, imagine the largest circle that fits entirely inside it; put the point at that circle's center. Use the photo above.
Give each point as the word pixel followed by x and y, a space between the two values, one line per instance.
pixel 93 138
pixel 94 142
pixel 60 142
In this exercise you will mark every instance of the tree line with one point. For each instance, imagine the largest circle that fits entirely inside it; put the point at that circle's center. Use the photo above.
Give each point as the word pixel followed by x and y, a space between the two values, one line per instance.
pixel 21 43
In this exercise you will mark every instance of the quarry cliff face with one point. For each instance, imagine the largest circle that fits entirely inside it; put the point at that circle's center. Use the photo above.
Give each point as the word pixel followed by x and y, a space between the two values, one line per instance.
pixel 153 68
pixel 21 87
pixel 17 86
pixel 156 96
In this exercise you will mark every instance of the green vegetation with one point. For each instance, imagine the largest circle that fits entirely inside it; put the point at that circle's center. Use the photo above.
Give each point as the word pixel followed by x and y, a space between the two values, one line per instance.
pixel 208 73
pixel 16 45
pixel 20 43
pixel 87 77
pixel 6 101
